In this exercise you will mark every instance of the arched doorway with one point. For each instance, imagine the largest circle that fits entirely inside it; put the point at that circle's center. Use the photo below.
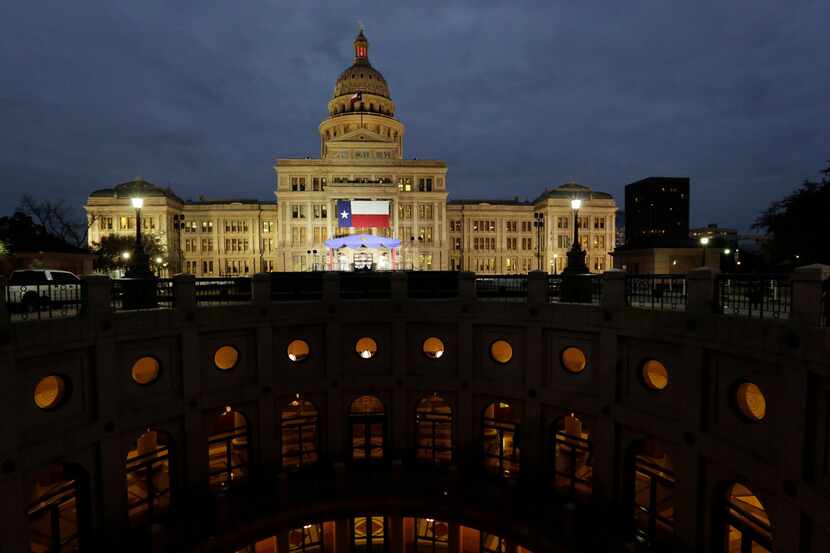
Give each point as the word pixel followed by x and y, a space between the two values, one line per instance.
pixel 572 457
pixel 433 430
pixel 54 512
pixel 500 428
pixel 367 428
pixel 299 434
pixel 747 527
pixel 653 483
pixel 148 477
pixel 228 448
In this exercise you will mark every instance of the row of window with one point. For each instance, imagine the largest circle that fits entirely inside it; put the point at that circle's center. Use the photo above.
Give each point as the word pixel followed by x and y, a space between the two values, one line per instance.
pixel 319 211
pixel 425 212
pixel 526 226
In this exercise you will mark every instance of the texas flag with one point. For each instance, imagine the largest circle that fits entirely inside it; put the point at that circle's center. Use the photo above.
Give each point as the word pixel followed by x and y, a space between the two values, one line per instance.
pixel 363 213
pixel 356 97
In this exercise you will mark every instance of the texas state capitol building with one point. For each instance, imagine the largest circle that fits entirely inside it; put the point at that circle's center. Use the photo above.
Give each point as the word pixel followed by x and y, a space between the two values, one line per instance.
pixel 361 158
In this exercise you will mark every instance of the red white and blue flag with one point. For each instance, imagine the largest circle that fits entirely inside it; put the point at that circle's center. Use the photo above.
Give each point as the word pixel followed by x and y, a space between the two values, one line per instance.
pixel 356 97
pixel 363 213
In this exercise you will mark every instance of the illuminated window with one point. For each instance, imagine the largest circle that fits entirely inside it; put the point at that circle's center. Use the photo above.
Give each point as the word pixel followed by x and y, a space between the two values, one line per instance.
pixel 572 455
pixel 226 358
pixel 431 536
pixel 299 434
pixel 366 347
pixel 297 350
pixel 654 484
pixel 655 375
pixel 747 526
pixel 501 351
pixel 500 426
pixel 49 392
pixel 433 348
pixel 145 370
pixel 53 511
pixel 433 430
pixel 367 424
pixel 751 401
pixel 148 478
pixel 368 534
pixel 308 539
pixel 491 543
pixel 573 360
pixel 228 449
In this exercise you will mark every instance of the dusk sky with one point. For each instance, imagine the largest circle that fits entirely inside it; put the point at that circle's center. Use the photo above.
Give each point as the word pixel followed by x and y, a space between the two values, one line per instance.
pixel 515 96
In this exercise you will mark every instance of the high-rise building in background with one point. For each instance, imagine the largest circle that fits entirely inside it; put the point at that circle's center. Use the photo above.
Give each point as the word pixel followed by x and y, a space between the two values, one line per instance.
pixel 657 212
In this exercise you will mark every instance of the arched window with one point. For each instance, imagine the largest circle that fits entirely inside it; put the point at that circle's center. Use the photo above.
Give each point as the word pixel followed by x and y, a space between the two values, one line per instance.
pixel 299 434
pixel 654 483
pixel 368 534
pixel 148 477
pixel 500 451
pixel 367 428
pixel 572 456
pixel 228 448
pixel 433 430
pixel 54 524
pixel 431 536
pixel 747 525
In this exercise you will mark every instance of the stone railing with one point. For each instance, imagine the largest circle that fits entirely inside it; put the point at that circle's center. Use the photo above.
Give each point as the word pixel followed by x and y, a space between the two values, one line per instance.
pixel 800 297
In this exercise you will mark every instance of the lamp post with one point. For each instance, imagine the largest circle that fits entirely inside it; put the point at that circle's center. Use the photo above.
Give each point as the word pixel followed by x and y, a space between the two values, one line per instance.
pixel 139 262
pixel 539 225
pixel 576 255
pixel 704 241
pixel 575 286
pixel 555 257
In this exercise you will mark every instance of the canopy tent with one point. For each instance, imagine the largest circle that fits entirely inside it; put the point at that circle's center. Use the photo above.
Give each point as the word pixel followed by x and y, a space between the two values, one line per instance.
pixel 362 241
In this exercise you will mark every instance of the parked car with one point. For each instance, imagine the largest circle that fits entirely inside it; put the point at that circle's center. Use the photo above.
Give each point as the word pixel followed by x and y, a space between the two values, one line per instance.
pixel 38 289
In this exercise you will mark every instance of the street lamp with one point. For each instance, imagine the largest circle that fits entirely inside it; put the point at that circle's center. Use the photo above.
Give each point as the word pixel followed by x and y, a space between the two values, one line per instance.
pixel 704 241
pixel 539 225
pixel 576 255
pixel 140 265
pixel 555 256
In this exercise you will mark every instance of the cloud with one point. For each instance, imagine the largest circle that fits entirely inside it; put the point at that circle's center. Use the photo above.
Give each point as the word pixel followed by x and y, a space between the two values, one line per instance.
pixel 515 96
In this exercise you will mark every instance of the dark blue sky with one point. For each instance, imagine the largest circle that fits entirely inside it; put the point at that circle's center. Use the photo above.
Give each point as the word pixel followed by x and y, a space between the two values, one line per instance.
pixel 515 96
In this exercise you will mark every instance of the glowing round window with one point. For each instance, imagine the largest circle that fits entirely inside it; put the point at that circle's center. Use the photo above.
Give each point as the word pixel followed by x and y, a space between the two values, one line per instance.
pixel 298 350
pixel 145 370
pixel 501 351
pixel 751 401
pixel 655 374
pixel 573 359
pixel 366 347
pixel 433 348
pixel 49 392
pixel 226 358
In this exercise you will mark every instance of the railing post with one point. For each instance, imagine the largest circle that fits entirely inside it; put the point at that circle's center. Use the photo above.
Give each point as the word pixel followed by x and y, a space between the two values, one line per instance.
pixel 613 290
pixel 807 282
pixel 331 287
pixel 261 289
pixel 701 294
pixel 467 287
pixel 184 292
pixel 537 287
pixel 96 296
pixel 398 289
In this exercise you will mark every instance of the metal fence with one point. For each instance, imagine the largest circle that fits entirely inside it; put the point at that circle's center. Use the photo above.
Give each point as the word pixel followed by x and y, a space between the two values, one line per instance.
pixel 756 296
pixel 505 288
pixel 658 292
pixel 365 286
pixel 136 294
pixel 432 284
pixel 34 302
pixel 296 286
pixel 574 289
pixel 223 291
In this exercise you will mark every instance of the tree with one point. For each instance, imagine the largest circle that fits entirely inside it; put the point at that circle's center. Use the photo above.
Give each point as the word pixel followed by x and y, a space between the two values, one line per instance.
pixel 21 234
pixel 57 219
pixel 109 253
pixel 797 226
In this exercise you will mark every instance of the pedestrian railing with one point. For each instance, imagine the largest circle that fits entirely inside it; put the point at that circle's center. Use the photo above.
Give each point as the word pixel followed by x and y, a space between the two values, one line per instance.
pixel 223 291
pixel 371 286
pixel 658 292
pixel 34 302
pixel 130 294
pixel 296 286
pixel 755 296
pixel 503 288
pixel 432 284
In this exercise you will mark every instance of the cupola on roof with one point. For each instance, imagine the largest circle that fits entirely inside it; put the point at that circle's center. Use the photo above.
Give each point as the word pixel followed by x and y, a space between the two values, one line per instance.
pixel 361 76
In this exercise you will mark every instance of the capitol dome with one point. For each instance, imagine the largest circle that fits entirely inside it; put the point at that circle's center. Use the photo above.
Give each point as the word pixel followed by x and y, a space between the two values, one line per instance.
pixel 361 76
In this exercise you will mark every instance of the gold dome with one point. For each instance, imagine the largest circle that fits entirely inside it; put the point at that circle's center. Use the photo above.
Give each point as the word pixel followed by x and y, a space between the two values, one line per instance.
pixel 361 76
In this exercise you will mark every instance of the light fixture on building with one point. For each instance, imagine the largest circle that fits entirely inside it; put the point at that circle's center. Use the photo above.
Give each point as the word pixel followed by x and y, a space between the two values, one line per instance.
pixel 138 203
pixel 125 255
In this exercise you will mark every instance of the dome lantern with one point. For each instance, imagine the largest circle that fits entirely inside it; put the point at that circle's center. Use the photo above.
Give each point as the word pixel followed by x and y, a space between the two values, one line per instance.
pixel 361 48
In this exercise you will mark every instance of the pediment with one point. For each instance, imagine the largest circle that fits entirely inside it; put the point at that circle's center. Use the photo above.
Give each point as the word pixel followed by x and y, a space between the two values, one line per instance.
pixel 362 136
